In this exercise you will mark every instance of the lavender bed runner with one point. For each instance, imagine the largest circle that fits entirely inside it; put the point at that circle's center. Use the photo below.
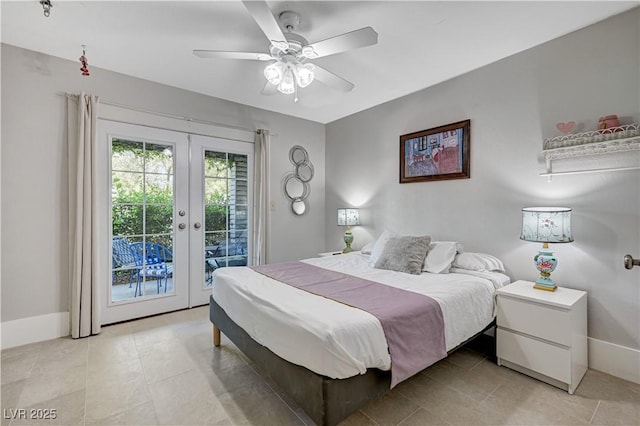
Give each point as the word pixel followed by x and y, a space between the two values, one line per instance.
pixel 412 322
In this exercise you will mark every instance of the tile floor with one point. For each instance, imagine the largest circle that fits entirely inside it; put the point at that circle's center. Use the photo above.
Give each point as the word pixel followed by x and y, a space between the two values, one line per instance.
pixel 164 370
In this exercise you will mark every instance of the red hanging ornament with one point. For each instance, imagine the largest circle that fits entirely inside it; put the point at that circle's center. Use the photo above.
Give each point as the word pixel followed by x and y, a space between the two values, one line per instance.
pixel 85 63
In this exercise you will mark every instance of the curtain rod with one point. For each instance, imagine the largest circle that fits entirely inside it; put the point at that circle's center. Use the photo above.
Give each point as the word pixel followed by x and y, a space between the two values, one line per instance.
pixel 178 117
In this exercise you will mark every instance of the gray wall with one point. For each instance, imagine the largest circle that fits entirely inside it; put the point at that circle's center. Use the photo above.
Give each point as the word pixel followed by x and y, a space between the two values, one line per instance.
pixel 513 105
pixel 34 170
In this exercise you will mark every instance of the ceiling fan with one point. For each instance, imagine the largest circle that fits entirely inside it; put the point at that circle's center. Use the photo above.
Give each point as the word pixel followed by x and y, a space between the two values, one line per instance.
pixel 289 52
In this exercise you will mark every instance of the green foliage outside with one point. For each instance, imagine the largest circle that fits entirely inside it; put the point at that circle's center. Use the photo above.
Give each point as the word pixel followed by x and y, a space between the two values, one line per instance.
pixel 142 189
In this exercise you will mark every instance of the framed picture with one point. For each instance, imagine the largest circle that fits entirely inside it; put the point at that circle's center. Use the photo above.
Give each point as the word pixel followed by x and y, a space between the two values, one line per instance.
pixel 436 154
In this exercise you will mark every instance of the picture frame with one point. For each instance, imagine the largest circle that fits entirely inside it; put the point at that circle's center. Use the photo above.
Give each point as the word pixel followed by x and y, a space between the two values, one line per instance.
pixel 440 153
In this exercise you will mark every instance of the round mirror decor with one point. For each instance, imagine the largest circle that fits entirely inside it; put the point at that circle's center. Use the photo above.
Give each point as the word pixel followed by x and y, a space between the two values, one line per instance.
pixel 295 188
pixel 304 171
pixel 296 184
pixel 298 206
pixel 298 155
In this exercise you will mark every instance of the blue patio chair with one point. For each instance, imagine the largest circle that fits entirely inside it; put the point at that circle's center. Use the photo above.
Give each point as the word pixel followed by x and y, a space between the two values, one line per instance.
pixel 153 260
pixel 122 259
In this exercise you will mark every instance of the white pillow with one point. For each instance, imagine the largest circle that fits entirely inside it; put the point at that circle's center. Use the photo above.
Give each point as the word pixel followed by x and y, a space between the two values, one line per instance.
pixel 377 248
pixel 367 247
pixel 440 256
pixel 481 262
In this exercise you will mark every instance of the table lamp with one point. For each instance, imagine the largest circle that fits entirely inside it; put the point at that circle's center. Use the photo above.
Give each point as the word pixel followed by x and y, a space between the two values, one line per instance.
pixel 546 225
pixel 348 218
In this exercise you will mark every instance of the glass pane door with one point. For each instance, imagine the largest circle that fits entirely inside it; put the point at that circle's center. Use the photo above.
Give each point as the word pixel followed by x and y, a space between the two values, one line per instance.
pixel 220 198
pixel 147 230
pixel 142 180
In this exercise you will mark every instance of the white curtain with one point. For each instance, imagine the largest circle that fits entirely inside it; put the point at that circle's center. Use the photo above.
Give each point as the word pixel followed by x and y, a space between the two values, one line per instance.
pixel 82 137
pixel 260 197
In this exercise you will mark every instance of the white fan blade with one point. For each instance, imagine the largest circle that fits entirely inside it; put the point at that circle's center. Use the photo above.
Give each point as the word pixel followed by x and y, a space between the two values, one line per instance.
pixel 332 80
pixel 348 41
pixel 232 55
pixel 267 22
pixel 269 89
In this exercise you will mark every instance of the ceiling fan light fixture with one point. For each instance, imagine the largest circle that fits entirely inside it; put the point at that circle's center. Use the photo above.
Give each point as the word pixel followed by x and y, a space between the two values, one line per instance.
pixel 288 76
pixel 274 72
pixel 288 83
pixel 304 75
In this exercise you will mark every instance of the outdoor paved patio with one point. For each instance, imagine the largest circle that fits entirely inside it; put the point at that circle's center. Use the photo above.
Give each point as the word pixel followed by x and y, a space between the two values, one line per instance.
pixel 149 289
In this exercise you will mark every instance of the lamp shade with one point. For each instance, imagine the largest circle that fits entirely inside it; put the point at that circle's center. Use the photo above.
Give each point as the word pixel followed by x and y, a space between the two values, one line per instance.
pixel 546 224
pixel 348 217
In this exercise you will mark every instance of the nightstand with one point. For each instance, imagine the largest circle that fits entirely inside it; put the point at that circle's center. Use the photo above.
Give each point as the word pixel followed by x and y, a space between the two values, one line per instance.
pixel 543 334
pixel 330 253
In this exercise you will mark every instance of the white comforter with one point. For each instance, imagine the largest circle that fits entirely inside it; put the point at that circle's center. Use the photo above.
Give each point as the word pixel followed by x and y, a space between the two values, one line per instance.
pixel 337 340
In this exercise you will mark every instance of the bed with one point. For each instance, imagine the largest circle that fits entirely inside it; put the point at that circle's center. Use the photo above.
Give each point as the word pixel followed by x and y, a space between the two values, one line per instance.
pixel 332 358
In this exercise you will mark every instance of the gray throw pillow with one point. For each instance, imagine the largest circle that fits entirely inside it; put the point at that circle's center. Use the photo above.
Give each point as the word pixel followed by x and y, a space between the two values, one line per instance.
pixel 404 254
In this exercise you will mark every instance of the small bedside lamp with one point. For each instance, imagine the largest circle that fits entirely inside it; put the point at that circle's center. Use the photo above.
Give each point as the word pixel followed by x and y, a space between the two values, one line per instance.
pixel 348 218
pixel 546 225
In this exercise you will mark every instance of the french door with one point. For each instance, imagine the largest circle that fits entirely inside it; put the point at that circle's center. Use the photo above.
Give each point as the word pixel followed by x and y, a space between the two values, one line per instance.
pixel 221 176
pixel 176 207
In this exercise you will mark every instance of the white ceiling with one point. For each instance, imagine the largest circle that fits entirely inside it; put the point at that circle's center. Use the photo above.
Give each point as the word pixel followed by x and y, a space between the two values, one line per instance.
pixel 421 43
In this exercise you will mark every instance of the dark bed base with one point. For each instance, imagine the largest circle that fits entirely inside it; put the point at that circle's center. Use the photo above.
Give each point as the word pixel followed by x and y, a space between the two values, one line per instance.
pixel 326 401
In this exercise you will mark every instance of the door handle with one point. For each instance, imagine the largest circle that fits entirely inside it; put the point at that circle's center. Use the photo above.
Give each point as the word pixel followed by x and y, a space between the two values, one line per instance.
pixel 630 262
pixel 197 225
pixel 182 226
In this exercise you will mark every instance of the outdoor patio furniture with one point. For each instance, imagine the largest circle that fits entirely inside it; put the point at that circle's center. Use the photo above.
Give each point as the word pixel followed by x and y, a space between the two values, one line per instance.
pixel 153 260
pixel 122 258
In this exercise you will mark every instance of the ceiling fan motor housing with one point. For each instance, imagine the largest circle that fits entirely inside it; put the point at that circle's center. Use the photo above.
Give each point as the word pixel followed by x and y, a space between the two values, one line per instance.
pixel 289 20
pixel 296 43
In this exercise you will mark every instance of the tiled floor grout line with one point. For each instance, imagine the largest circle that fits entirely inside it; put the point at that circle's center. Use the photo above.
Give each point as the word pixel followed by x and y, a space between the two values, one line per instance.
pixel 258 373
pixel 365 414
pixel 86 382
pixel 281 399
pixel 86 386
pixel 595 411
pixel 146 380
pixel 490 393
pixel 478 363
pixel 412 413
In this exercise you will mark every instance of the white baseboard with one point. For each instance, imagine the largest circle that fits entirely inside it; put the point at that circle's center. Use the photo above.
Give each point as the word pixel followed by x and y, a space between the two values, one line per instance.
pixel 613 359
pixel 34 329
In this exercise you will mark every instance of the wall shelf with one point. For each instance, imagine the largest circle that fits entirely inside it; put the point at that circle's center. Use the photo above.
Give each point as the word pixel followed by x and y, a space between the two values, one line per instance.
pixel 613 140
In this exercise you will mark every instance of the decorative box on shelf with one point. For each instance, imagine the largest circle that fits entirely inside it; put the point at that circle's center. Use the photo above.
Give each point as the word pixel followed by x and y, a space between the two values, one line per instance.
pixel 603 141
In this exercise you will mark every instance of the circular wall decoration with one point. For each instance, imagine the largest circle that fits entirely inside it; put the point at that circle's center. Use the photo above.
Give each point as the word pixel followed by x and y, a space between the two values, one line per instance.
pixel 296 184
pixel 298 206
pixel 295 188
pixel 298 155
pixel 304 171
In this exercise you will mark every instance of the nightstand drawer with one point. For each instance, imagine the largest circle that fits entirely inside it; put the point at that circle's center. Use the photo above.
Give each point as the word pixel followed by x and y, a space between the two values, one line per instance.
pixel 544 358
pixel 535 319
